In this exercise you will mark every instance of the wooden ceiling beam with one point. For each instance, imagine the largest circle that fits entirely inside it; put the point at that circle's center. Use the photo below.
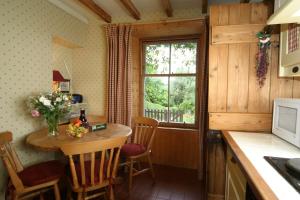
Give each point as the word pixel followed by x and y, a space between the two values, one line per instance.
pixel 168 7
pixel 131 8
pixel 96 9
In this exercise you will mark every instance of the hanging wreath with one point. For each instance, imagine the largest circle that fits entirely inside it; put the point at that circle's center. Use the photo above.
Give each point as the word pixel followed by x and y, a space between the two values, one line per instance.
pixel 262 57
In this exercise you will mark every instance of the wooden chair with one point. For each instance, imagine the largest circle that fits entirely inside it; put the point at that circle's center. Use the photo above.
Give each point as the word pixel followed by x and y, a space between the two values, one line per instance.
pixel 29 181
pixel 143 135
pixel 92 119
pixel 96 173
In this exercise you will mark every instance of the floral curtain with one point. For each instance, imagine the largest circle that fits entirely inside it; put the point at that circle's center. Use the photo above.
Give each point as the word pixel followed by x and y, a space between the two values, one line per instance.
pixel 119 73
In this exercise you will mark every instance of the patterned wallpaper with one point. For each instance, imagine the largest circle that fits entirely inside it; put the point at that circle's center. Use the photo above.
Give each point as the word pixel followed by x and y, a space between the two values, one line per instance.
pixel 27 57
pixel 89 68
pixel 26 30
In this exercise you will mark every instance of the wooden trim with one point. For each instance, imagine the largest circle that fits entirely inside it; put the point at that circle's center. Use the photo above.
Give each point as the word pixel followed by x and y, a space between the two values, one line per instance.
pixel 230 34
pixel 174 75
pixel 172 39
pixel 167 7
pixel 131 8
pixel 259 186
pixel 96 9
pixel 168 28
pixel 169 21
pixel 241 121
pixel 139 24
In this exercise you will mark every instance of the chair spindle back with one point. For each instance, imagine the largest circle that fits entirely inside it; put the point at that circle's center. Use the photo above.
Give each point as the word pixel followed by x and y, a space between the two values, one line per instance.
pixel 101 167
pixel 144 131
pixel 10 159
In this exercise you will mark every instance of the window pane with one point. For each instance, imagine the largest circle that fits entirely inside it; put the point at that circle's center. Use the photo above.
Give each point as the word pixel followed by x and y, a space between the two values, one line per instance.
pixel 156 98
pixel 157 57
pixel 183 57
pixel 182 99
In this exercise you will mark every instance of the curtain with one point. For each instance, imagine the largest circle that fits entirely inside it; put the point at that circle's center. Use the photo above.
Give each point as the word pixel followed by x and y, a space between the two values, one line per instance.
pixel 119 73
pixel 203 98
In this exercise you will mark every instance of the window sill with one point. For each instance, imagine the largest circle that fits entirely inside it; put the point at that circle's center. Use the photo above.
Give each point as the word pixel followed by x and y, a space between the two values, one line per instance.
pixel 177 128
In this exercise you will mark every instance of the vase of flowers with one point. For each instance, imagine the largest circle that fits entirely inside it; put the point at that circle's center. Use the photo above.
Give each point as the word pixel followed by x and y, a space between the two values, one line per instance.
pixel 52 107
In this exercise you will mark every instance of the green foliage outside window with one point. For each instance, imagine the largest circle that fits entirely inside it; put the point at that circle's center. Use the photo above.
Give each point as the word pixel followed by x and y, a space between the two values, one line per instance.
pixel 170 81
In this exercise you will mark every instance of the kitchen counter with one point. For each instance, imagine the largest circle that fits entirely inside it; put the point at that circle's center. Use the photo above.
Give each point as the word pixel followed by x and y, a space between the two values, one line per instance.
pixel 250 148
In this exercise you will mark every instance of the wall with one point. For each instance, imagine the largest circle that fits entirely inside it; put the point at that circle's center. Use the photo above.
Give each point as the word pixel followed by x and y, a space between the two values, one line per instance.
pixel 89 68
pixel 86 63
pixel 236 101
pixel 26 30
pixel 62 56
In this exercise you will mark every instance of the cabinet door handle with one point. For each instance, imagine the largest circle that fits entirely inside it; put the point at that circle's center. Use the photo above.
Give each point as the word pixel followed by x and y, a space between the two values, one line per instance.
pixel 233 160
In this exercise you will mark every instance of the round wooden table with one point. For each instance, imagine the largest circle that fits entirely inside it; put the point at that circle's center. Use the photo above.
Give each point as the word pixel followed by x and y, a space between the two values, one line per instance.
pixel 41 140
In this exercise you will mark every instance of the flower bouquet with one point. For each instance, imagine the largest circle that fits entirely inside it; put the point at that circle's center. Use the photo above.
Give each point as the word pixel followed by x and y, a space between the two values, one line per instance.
pixel 52 107
pixel 76 129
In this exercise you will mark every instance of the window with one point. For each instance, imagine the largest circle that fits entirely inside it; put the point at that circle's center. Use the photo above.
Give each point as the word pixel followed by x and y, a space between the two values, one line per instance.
pixel 170 79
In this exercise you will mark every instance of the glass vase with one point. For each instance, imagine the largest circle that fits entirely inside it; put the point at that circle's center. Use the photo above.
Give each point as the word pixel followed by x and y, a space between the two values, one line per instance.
pixel 52 122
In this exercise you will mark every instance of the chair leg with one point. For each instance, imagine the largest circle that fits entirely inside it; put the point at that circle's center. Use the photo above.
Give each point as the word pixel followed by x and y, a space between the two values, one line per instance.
pixel 41 196
pixel 130 174
pixel 56 192
pixel 151 166
pixel 79 196
pixel 15 196
pixel 111 193
pixel 69 194
pixel 139 165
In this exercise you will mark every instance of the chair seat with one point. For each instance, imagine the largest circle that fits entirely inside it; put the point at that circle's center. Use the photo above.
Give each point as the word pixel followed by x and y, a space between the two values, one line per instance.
pixel 42 173
pixel 132 149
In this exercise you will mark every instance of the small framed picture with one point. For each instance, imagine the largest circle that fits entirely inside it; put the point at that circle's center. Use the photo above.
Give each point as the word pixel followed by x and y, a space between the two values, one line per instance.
pixel 64 86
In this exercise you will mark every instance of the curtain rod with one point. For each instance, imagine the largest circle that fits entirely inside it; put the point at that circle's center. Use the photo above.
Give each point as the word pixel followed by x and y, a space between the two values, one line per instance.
pixel 162 21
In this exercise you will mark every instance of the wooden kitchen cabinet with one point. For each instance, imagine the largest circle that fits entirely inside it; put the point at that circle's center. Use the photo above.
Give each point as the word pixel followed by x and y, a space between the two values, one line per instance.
pixel 235 188
pixel 215 166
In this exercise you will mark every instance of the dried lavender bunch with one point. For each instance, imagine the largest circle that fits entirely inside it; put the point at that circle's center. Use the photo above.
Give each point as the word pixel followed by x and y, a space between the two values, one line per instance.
pixel 262 57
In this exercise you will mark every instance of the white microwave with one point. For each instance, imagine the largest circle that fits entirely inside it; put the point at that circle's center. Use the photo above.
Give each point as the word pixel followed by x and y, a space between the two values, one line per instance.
pixel 286 120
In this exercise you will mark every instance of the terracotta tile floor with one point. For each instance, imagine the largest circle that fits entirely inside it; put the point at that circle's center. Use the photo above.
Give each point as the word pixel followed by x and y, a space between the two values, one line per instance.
pixel 171 184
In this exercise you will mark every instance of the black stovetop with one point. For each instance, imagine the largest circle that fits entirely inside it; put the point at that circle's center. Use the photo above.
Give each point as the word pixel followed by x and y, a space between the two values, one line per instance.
pixel 280 165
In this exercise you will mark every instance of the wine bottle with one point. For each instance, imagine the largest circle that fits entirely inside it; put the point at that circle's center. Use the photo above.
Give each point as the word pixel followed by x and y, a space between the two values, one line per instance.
pixel 83 119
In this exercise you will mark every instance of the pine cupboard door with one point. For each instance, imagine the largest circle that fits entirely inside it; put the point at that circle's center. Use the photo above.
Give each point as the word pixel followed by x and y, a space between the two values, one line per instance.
pixel 235 188
pixel 231 191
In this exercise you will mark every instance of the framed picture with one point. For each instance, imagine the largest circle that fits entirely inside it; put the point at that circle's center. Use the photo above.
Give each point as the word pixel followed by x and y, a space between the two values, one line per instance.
pixel 64 86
